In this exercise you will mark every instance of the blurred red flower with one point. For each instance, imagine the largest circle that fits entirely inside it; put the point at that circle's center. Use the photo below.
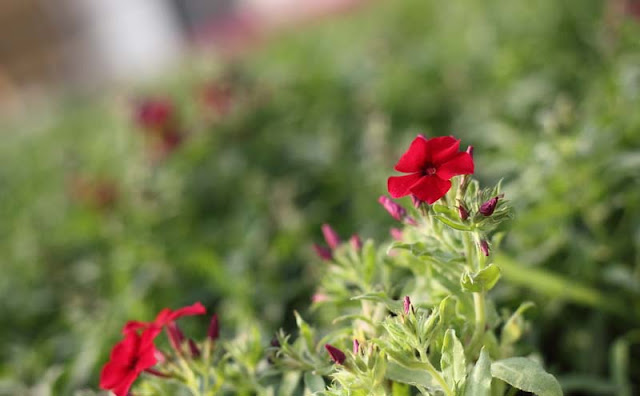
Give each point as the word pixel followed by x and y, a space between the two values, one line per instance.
pixel 430 164
pixel 129 358
pixel 164 318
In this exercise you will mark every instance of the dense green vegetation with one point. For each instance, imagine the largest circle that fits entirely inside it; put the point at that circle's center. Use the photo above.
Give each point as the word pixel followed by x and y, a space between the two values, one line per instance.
pixel 548 93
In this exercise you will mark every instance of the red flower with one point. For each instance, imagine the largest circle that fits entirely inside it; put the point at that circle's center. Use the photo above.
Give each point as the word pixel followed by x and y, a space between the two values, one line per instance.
pixel 165 317
pixel 129 358
pixel 430 164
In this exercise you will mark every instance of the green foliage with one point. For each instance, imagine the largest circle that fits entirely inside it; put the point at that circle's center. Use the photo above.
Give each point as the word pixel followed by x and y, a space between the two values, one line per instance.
pixel 547 92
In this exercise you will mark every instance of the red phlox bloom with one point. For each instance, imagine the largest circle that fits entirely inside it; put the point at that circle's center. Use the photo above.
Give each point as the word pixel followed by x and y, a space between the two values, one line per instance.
pixel 131 356
pixel 430 164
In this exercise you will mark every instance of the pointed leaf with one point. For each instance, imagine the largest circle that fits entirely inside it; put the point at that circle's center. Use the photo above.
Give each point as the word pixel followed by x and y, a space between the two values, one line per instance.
pixel 452 361
pixel 479 382
pixel 527 375
pixel 313 382
pixel 483 280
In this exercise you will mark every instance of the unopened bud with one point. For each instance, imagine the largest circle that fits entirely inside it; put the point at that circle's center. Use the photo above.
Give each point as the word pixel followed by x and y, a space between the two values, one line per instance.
pixel 463 212
pixel 484 246
pixel 356 346
pixel 470 150
pixel 332 238
pixel 488 207
pixel 319 297
pixel 396 211
pixel 323 252
pixel 336 355
pixel 417 202
pixel 396 234
pixel 214 328
pixel 195 351
pixel 176 338
pixel 356 242
pixel 275 343
pixel 407 305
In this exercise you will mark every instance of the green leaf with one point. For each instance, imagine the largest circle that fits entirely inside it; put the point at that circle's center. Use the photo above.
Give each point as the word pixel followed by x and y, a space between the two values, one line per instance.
pixel 452 361
pixel 381 297
pixel 289 383
pixel 483 280
pixel 313 382
pixel 305 331
pixel 527 375
pixel 452 224
pixel 414 377
pixel 479 382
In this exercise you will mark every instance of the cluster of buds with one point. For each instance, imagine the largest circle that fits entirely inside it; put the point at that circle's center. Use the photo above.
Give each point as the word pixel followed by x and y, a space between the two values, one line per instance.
pixel 333 240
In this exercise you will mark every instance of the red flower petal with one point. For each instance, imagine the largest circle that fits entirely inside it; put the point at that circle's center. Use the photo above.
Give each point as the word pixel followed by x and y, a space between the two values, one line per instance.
pixel 125 349
pixel 431 188
pixel 415 158
pixel 460 164
pixel 112 374
pixel 399 186
pixel 122 389
pixel 442 148
pixel 167 316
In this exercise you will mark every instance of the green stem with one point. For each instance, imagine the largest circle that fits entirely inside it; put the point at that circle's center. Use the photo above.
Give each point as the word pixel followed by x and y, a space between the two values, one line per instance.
pixel 436 375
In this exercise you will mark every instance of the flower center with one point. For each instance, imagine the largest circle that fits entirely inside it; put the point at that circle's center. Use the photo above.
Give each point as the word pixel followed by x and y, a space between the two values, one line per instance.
pixel 430 170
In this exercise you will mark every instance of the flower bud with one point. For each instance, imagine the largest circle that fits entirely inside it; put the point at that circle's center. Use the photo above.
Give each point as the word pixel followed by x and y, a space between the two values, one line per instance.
pixel 484 246
pixel 463 212
pixel 416 201
pixel 396 234
pixel 356 242
pixel 396 211
pixel 319 297
pixel 336 355
pixel 488 207
pixel 275 343
pixel 332 238
pixel 407 305
pixel 195 351
pixel 323 252
pixel 176 337
pixel 214 329
pixel 356 346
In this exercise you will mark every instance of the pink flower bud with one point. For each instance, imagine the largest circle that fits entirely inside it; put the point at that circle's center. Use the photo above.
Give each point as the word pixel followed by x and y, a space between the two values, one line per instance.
pixel 323 252
pixel 488 207
pixel 396 234
pixel 356 346
pixel 176 337
pixel 463 212
pixel 195 351
pixel 396 211
pixel 356 242
pixel 484 246
pixel 319 297
pixel 407 305
pixel 332 238
pixel 336 355
pixel 416 201
pixel 214 329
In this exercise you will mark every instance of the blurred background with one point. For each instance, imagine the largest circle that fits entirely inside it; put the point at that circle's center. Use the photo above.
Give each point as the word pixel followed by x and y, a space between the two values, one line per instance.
pixel 155 153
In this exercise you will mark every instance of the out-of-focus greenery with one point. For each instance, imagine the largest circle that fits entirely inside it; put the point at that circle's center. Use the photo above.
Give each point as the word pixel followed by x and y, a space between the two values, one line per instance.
pixel 548 92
